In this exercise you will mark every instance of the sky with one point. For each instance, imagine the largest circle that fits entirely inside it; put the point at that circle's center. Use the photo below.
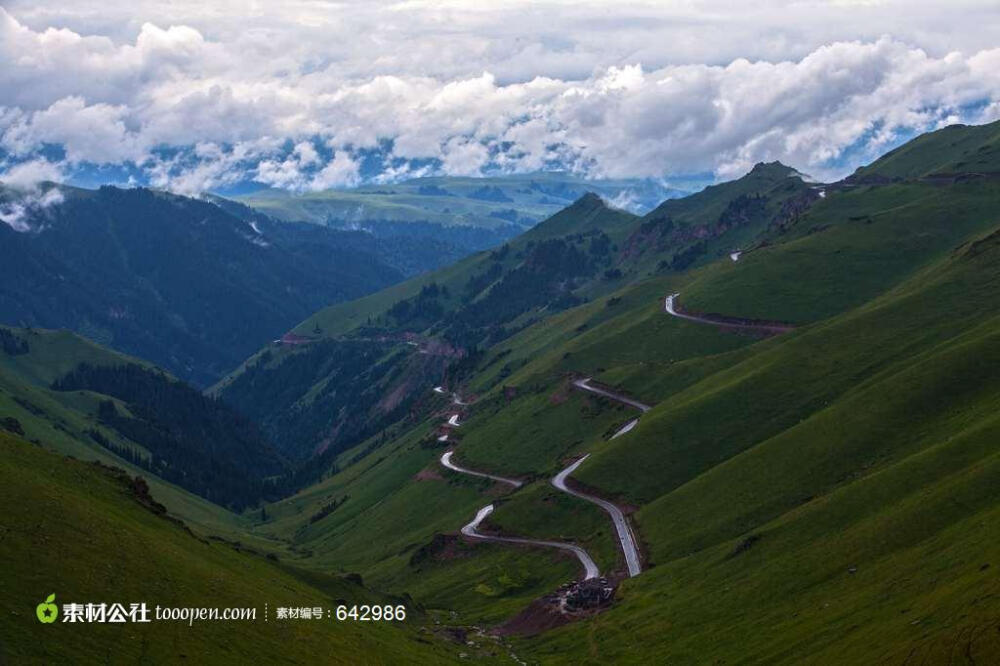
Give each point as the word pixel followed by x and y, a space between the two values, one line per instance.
pixel 306 95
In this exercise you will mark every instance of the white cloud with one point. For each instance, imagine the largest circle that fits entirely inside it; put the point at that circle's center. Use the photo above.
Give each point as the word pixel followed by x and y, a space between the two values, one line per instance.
pixel 30 198
pixel 291 93
pixel 28 175
pixel 341 171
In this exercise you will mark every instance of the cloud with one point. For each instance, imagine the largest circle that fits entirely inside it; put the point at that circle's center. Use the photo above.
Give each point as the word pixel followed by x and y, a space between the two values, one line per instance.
pixel 341 171
pixel 299 95
pixel 28 175
pixel 21 209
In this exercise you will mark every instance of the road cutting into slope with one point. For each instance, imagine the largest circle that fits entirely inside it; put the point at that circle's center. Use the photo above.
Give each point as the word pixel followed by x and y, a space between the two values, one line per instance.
pixel 625 536
pixel 671 307
pixel 446 461
pixel 471 530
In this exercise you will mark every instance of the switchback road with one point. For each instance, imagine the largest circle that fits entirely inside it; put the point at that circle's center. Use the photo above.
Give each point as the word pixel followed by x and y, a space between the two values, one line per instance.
pixel 471 530
pixel 446 461
pixel 624 530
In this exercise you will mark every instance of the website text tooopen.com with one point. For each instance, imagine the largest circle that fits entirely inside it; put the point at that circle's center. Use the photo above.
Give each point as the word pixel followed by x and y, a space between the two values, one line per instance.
pixel 191 615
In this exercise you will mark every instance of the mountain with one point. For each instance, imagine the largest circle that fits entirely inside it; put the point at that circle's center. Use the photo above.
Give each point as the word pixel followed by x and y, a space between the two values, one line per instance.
pixel 93 403
pixel 92 534
pixel 754 425
pixel 579 254
pixel 176 280
pixel 408 253
pixel 470 213
pixel 951 151
pixel 814 477
pixel 341 380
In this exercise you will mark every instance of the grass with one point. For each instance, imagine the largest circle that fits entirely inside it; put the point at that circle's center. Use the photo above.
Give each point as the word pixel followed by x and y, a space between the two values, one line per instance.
pixel 833 533
pixel 829 495
pixel 60 421
pixel 954 149
pixel 84 537
pixel 541 512
pixel 867 241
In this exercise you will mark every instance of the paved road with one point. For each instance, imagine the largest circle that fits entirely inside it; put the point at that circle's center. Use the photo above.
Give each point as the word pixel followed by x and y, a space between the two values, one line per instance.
pixel 625 536
pixel 625 428
pixel 471 530
pixel 670 306
pixel 446 461
pixel 585 385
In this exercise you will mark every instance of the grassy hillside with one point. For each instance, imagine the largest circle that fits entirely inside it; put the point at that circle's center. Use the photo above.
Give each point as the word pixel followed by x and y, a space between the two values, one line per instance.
pixel 827 494
pixel 90 536
pixel 950 151
pixel 406 337
pixel 69 422
pixel 175 280
pixel 586 253
pixel 862 528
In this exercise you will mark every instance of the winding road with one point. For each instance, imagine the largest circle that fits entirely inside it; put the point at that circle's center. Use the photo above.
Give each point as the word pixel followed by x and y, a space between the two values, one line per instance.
pixel 624 530
pixel 471 530
pixel 446 461
pixel 617 397
pixel 772 327
pixel 626 537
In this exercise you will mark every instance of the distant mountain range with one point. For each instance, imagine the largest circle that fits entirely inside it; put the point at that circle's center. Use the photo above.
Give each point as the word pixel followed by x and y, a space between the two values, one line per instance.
pixel 197 285
pixel 473 213
pixel 183 282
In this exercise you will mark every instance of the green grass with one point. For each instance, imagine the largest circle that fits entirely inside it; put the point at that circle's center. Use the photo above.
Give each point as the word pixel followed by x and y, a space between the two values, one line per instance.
pixel 830 495
pixel 536 433
pixel 895 231
pixel 60 421
pixel 540 511
pixel 870 443
pixel 77 532
pixel 954 149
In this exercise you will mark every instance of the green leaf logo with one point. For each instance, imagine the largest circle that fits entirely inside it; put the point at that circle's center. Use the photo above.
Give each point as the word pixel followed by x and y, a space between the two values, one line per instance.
pixel 47 611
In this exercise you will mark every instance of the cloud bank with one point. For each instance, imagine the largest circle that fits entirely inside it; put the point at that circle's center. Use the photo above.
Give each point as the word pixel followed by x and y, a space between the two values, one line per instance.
pixel 315 95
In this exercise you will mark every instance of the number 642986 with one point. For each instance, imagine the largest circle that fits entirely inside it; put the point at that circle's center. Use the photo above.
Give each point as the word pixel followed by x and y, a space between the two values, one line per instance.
pixel 366 613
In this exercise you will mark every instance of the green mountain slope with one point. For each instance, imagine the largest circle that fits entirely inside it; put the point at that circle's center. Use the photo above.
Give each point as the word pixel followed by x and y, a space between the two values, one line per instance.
pixel 175 280
pixel 580 254
pixel 356 371
pixel 824 495
pixel 856 520
pixel 950 151
pixel 90 535
pixel 89 402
